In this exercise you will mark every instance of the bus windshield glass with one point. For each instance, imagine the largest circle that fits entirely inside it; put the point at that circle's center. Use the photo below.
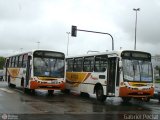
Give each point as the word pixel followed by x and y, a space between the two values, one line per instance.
pixel 137 70
pixel 48 66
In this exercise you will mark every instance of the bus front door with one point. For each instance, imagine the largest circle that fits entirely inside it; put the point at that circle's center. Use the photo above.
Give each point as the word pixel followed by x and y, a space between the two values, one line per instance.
pixel 28 71
pixel 111 79
pixel 6 70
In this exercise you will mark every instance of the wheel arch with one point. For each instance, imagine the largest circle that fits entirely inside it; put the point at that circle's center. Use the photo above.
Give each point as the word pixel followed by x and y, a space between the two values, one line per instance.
pixel 97 85
pixel 22 81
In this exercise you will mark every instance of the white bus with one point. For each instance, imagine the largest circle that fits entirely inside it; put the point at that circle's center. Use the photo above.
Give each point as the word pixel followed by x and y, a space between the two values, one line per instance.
pixel 38 69
pixel 127 74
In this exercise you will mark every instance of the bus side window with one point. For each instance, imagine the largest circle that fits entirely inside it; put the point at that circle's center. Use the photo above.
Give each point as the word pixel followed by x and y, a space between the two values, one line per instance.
pixel 70 65
pixel 16 61
pixel 20 61
pixel 88 64
pixel 10 62
pixel 78 67
pixel 101 63
pixel 13 62
pixel 25 58
pixel 6 65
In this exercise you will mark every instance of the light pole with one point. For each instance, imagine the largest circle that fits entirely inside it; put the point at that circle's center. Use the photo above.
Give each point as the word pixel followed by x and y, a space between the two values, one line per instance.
pixel 138 9
pixel 68 42
pixel 38 44
pixel 21 49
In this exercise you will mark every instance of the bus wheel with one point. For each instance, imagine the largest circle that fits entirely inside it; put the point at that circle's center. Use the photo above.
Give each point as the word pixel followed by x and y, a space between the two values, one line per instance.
pixel 126 99
pixel 85 95
pixel 25 90
pixel 32 91
pixel 29 91
pixel 147 99
pixel 99 94
pixel 10 84
pixel 67 91
pixel 50 92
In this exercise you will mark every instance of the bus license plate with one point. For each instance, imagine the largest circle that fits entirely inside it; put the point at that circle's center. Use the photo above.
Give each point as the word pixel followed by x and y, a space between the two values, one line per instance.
pixel 140 93
pixel 54 82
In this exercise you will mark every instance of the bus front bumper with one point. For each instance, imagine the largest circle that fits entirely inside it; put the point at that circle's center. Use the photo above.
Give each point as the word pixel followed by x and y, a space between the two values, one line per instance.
pixel 129 92
pixel 47 86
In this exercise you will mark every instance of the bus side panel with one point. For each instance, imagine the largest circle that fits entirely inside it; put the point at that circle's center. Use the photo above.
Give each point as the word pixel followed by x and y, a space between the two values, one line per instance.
pixel 85 81
pixel 94 79
pixel 20 78
pixel 13 74
pixel 75 79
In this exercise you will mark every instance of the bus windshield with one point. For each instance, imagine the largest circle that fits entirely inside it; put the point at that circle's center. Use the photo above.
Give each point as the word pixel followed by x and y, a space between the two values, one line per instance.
pixel 137 70
pixel 49 67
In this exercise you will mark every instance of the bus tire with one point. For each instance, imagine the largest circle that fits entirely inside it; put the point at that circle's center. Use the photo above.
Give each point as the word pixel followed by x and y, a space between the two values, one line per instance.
pixel 126 99
pixel 10 84
pixel 99 94
pixel 29 91
pixel 50 92
pixel 85 95
pixel 147 99
pixel 26 90
pixel 66 91
pixel 32 91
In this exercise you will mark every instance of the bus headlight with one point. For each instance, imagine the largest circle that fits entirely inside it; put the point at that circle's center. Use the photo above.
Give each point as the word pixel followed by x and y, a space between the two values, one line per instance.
pixel 123 84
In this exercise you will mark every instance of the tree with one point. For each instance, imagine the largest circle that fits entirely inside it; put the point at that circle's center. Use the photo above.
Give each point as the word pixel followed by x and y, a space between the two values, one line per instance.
pixel 2 61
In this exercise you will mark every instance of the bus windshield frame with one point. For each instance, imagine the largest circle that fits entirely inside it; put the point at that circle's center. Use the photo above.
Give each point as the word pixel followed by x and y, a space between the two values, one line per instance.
pixel 48 64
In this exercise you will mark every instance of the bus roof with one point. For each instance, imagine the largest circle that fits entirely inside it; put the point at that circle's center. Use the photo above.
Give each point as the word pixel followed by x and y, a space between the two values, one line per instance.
pixel 114 53
pixel 32 51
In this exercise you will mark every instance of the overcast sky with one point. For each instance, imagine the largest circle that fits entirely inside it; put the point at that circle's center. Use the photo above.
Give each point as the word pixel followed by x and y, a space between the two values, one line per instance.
pixel 24 23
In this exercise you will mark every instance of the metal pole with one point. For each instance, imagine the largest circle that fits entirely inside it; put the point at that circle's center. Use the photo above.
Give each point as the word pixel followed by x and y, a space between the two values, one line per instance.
pixel 68 42
pixel 136 27
pixel 135 31
pixel 21 49
pixel 38 44
pixel 100 33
